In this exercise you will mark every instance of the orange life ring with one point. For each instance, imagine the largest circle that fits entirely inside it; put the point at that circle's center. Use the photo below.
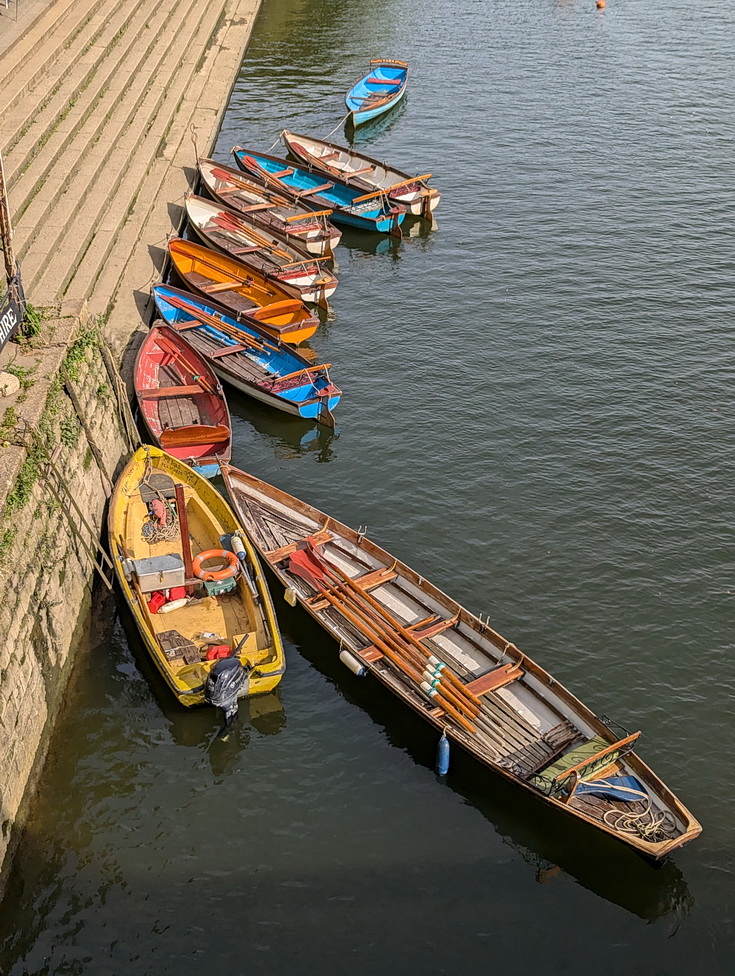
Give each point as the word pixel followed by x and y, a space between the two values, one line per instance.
pixel 227 572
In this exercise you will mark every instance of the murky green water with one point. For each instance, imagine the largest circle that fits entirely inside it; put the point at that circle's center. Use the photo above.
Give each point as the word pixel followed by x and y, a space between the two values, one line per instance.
pixel 537 416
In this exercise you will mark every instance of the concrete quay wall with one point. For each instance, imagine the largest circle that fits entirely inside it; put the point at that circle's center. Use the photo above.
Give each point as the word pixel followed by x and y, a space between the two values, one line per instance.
pixel 95 129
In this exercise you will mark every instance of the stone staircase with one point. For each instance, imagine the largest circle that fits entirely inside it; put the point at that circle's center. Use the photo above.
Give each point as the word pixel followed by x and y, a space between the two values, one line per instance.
pixel 98 103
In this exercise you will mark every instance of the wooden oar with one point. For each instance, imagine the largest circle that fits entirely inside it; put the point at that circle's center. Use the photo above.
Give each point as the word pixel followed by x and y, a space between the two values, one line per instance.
pixel 387 616
pixel 230 222
pixel 298 569
pixel 391 632
pixel 207 319
pixel 178 356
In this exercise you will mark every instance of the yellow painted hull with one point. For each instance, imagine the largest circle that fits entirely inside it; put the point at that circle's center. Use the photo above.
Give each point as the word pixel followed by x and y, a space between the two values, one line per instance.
pixel 236 617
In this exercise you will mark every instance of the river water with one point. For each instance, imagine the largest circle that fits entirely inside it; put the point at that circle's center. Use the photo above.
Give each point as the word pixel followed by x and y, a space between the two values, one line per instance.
pixel 538 417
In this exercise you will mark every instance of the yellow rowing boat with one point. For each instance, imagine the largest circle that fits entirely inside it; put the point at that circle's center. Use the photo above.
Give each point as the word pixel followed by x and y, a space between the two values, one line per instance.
pixel 193 583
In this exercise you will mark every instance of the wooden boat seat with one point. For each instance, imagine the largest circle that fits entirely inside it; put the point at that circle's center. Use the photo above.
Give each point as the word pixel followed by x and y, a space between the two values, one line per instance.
pixel 278 555
pixel 256 206
pixel 359 172
pixel 155 393
pixel 430 628
pixel 495 679
pixel 366 582
pixel 282 172
pixel 316 189
pixel 330 155
pixel 185 326
pixel 194 434
pixel 216 286
pixel 228 351
pixel 244 250
pixel 383 81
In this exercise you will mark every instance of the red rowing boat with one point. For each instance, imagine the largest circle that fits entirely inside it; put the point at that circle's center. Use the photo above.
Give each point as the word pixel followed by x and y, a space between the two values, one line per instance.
pixel 182 402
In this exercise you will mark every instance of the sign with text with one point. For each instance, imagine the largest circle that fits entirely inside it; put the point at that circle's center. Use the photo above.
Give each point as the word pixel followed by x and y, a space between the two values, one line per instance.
pixel 12 310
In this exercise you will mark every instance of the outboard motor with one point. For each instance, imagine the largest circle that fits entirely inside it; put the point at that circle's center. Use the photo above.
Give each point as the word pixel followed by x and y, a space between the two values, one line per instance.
pixel 225 683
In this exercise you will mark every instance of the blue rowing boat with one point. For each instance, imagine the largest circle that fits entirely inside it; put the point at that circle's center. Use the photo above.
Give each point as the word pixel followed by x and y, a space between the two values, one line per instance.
pixel 380 90
pixel 349 205
pixel 252 361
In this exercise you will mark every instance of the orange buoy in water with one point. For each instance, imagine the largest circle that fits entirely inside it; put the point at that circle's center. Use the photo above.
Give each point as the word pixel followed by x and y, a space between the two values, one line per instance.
pixel 601 4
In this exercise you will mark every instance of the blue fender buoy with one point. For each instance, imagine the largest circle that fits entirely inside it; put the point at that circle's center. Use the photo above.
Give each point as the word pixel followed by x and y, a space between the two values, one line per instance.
pixel 442 755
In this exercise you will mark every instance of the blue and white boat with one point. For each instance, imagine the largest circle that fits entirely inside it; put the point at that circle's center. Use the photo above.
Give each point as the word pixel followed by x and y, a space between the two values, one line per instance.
pixel 380 90
pixel 350 205
pixel 250 360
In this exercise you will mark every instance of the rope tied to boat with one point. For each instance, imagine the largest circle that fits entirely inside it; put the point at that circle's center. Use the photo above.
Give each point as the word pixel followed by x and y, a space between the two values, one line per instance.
pixel 649 826
pixel 340 123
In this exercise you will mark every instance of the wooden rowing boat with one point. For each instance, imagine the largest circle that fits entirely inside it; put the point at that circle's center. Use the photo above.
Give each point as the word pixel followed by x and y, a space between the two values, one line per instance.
pixel 282 217
pixel 248 358
pixel 163 515
pixel 244 291
pixel 306 277
pixel 181 401
pixel 364 173
pixel 379 90
pixel 367 211
pixel 459 674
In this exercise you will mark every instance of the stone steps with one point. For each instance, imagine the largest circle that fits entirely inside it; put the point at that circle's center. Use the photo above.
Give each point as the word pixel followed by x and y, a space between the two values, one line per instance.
pixel 31 125
pixel 103 228
pixel 105 143
pixel 99 123
pixel 32 57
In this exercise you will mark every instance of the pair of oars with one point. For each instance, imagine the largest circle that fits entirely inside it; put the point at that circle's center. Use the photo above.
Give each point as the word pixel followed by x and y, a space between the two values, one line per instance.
pixel 241 184
pixel 183 361
pixel 234 225
pixel 206 318
pixel 394 641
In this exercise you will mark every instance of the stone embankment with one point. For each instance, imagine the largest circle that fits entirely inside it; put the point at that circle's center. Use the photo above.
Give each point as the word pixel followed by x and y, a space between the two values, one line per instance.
pixel 100 101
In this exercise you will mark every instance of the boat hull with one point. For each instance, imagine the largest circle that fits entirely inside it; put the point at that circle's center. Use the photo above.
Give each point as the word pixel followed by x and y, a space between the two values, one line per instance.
pixel 267 370
pixel 378 91
pixel 297 271
pixel 345 201
pixel 230 187
pixel 187 683
pixel 281 526
pixel 193 419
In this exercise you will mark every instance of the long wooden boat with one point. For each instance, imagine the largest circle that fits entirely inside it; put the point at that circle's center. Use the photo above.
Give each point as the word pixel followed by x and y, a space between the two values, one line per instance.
pixel 364 173
pixel 380 89
pixel 367 211
pixel 305 276
pixel 244 291
pixel 163 519
pixel 283 217
pixel 458 674
pixel 249 359
pixel 181 401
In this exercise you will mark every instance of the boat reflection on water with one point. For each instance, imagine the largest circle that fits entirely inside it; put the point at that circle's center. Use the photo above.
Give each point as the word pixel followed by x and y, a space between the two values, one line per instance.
pixel 554 846
pixel 360 136
pixel 288 437
pixel 413 228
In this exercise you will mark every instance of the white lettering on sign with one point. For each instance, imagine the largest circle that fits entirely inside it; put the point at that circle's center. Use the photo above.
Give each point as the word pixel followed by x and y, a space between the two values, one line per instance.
pixel 7 324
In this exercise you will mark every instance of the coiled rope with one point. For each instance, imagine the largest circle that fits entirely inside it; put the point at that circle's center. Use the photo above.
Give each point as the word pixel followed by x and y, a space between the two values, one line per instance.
pixel 649 826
